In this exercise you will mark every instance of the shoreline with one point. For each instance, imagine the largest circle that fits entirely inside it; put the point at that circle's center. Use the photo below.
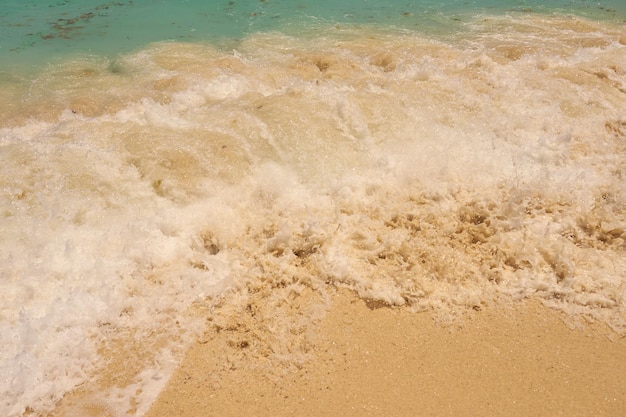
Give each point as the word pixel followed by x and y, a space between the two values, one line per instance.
pixel 372 360
pixel 235 190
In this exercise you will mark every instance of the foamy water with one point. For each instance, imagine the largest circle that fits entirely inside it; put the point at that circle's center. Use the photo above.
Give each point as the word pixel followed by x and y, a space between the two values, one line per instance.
pixel 441 173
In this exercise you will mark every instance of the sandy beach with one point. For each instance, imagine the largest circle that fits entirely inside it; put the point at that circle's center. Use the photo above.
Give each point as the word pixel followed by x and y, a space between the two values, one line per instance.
pixel 277 208
pixel 367 359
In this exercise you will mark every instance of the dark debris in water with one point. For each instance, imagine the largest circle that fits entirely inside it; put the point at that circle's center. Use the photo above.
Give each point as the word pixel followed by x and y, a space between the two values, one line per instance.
pixel 373 304
pixel 69 27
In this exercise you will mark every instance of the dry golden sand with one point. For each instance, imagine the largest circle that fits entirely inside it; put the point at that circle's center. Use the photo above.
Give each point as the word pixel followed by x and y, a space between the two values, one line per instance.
pixel 368 360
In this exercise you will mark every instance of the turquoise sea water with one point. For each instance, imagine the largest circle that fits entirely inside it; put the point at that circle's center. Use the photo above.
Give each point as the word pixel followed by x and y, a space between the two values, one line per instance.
pixel 157 158
pixel 36 31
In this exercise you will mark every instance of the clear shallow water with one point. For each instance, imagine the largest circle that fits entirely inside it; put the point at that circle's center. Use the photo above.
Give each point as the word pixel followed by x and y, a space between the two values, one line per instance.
pixel 36 31
pixel 476 159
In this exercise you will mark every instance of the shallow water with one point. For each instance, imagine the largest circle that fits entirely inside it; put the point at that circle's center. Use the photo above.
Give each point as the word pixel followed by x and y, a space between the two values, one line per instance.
pixel 33 32
pixel 480 160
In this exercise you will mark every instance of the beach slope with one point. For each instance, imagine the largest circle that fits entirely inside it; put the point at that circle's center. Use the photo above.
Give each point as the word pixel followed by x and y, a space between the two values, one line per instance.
pixel 366 359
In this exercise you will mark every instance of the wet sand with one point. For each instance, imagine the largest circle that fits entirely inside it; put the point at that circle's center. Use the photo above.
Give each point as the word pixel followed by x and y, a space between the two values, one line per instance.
pixel 365 359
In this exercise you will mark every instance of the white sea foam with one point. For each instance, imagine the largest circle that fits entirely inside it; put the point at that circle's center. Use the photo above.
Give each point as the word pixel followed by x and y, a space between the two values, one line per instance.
pixel 430 173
